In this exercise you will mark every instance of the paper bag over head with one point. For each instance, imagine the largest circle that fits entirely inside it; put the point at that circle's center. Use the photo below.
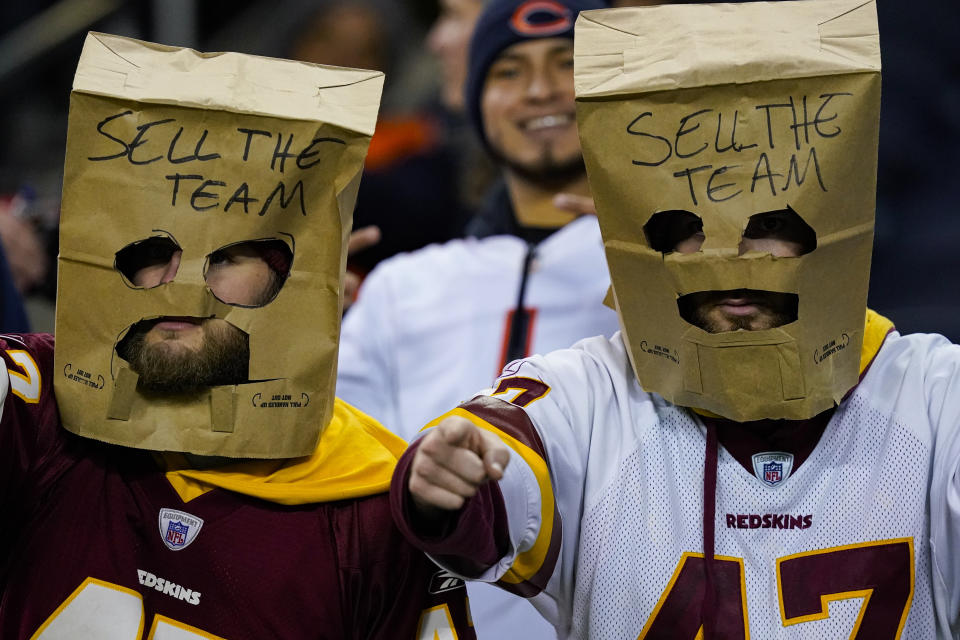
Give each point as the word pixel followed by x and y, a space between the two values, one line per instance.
pixel 204 151
pixel 722 115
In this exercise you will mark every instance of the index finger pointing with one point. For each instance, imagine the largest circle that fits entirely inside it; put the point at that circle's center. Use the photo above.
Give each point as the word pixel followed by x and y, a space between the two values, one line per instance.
pixel 457 431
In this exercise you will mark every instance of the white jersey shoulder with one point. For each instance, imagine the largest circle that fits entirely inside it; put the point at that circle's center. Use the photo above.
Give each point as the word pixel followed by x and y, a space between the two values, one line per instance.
pixel 873 510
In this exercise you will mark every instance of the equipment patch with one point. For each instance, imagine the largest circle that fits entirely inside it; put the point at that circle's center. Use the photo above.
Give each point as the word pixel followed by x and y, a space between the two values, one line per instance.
pixel 444 581
pixel 178 528
pixel 772 467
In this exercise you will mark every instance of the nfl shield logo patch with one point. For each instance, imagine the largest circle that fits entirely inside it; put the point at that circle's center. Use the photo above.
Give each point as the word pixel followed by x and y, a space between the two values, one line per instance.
pixel 772 467
pixel 178 528
pixel 772 472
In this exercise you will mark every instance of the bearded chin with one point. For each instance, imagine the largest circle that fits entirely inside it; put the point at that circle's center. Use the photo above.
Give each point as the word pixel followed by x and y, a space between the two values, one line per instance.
pixel 168 367
pixel 548 171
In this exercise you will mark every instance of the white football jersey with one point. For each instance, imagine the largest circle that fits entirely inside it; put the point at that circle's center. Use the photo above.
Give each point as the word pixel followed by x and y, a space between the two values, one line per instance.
pixel 605 505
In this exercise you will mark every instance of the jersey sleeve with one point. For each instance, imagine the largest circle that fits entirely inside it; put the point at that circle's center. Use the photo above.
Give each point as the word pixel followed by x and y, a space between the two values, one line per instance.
pixel 392 590
pixel 365 368
pixel 30 432
pixel 426 602
pixel 941 382
pixel 544 409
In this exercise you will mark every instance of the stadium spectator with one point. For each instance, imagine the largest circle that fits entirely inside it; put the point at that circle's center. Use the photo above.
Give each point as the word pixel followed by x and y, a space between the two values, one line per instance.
pixel 434 323
pixel 720 468
pixel 164 514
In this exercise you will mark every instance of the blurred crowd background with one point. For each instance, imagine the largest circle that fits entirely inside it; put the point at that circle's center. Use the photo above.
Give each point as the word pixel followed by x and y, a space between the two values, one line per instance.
pixel 425 173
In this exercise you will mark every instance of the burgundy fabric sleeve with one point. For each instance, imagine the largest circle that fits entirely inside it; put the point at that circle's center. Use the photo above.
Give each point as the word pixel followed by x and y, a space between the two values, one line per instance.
pixel 376 564
pixel 469 541
pixel 31 438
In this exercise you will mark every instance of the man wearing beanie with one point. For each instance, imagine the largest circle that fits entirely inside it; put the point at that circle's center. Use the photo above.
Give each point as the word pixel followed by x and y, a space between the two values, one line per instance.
pixel 438 323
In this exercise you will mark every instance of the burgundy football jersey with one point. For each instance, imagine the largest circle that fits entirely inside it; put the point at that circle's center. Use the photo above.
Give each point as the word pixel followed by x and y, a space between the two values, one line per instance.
pixel 97 545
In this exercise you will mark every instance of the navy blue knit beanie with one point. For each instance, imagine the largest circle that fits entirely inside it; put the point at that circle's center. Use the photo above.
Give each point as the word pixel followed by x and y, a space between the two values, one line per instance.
pixel 506 22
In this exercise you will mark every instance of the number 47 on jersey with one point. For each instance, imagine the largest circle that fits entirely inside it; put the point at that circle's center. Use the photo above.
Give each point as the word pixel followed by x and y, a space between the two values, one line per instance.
pixel 880 572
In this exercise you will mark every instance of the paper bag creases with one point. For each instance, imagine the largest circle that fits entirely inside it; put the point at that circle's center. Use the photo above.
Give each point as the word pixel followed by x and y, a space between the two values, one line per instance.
pixel 721 114
pixel 204 151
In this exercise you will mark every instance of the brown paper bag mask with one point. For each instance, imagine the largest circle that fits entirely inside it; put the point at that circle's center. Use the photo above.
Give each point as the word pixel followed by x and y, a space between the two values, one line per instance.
pixel 743 121
pixel 173 150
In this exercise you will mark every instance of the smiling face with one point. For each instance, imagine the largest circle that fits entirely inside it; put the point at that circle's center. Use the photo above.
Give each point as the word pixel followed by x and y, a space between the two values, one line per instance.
pixel 182 354
pixel 782 234
pixel 528 109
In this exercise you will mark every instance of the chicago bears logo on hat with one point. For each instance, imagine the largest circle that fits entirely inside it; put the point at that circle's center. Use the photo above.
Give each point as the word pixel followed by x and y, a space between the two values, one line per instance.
pixel 541 18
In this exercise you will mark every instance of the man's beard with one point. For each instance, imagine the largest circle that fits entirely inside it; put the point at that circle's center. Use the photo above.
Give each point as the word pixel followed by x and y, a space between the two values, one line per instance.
pixel 169 367
pixel 774 309
pixel 547 171
pixel 768 320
